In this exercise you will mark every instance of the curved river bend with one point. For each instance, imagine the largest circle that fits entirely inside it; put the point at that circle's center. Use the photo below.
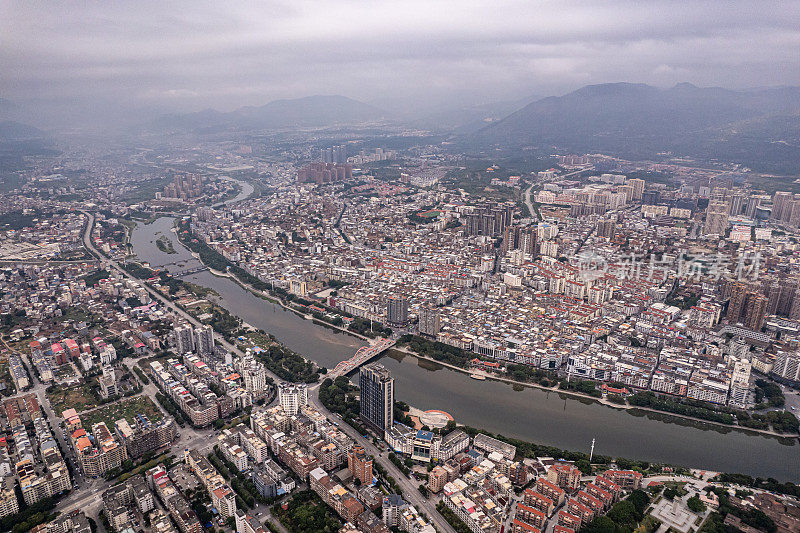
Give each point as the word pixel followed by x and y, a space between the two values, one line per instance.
pixel 530 414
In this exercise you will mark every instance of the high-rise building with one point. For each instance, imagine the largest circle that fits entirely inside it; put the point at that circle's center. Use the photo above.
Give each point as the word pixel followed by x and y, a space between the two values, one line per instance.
pixel 292 396
pixel 755 311
pixel 490 219
pixel 740 383
pixel 184 339
pixel 204 340
pixel 397 311
pixel 377 397
pixel 606 228
pixel 716 218
pixel 747 306
pixel 752 203
pixel 360 464
pixel 738 297
pixel 787 366
pixel 779 201
pixel 638 188
pixel 738 202
pixel 428 321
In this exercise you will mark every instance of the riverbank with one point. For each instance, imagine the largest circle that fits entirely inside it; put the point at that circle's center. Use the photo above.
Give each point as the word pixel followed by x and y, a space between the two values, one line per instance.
pixel 629 409
pixel 272 298
pixel 601 401
pixel 568 422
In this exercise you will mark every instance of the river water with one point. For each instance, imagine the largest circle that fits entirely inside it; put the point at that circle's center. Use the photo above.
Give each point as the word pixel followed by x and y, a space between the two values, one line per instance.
pixel 530 414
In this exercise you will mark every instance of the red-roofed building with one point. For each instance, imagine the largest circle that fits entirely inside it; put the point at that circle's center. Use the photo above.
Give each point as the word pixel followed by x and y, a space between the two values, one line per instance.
pixel 627 479
pixel 609 486
pixel 569 520
pixel 531 516
pixel 522 527
pixel 565 476
pixel 550 490
pixel 576 508
pixel 538 501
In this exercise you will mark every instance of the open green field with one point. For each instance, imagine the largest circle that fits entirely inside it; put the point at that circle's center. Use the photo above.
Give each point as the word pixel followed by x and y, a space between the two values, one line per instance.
pixel 126 409
pixel 79 397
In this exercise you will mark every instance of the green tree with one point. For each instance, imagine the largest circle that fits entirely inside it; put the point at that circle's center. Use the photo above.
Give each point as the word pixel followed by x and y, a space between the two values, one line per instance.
pixel 696 505
pixel 601 524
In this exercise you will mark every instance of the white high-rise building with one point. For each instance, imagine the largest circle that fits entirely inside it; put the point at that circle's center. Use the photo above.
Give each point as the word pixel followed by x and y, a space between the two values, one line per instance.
pixel 292 396
pixel 253 374
pixel 787 365
pixel 429 322
pixel 740 384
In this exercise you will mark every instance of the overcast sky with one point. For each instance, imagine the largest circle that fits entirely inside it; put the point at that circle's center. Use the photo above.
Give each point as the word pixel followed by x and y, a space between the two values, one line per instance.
pixel 190 55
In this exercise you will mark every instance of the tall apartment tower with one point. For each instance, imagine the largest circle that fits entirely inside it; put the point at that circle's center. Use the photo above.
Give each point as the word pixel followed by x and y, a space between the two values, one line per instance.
pixel 397 311
pixel 428 321
pixel 779 202
pixel 738 298
pixel 184 339
pixel 204 341
pixel 377 397
pixel 755 311
pixel 638 188
pixel 787 365
pixel 606 228
pixel 292 396
pixel 747 306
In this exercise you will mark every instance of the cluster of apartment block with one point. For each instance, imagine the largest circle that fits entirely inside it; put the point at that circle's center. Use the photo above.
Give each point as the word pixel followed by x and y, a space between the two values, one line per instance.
pixel 172 500
pixel 98 454
pixel 120 499
pixel 201 405
pixel 222 496
pixel 29 457
pixel 479 497
pixel 596 498
pixel 303 441
pixel 145 436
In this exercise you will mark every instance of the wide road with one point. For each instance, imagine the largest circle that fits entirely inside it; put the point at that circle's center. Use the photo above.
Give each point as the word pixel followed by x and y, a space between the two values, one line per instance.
pixel 410 490
pixel 107 262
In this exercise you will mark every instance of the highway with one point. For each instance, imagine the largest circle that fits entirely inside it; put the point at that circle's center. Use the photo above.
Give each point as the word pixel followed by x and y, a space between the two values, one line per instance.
pixel 200 438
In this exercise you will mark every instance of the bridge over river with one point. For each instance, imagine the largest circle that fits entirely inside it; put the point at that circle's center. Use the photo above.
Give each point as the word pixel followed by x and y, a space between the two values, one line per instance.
pixel 363 355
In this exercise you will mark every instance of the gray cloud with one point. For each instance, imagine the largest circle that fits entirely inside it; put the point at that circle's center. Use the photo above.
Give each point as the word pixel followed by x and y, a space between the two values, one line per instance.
pixel 191 55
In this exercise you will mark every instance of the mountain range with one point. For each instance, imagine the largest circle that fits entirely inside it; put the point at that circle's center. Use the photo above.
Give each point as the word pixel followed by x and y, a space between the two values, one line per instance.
pixel 311 111
pixel 15 131
pixel 637 120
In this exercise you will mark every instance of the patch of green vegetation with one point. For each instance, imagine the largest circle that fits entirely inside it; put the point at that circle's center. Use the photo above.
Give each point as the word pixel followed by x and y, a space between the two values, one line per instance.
pixel 94 277
pixel 30 517
pixel 623 516
pixel 165 245
pixel 307 512
pixel 287 364
pixel 79 397
pixel 127 409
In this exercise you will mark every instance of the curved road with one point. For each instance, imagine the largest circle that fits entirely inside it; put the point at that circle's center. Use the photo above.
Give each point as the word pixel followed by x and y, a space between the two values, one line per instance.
pixel 410 490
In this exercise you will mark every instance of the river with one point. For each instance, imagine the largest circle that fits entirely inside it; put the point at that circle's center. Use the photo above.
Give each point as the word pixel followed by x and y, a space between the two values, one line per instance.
pixel 529 414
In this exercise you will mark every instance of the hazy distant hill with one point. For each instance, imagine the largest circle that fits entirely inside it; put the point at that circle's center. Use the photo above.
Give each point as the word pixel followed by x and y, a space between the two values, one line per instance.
pixel 12 131
pixel 640 120
pixel 467 119
pixel 311 111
